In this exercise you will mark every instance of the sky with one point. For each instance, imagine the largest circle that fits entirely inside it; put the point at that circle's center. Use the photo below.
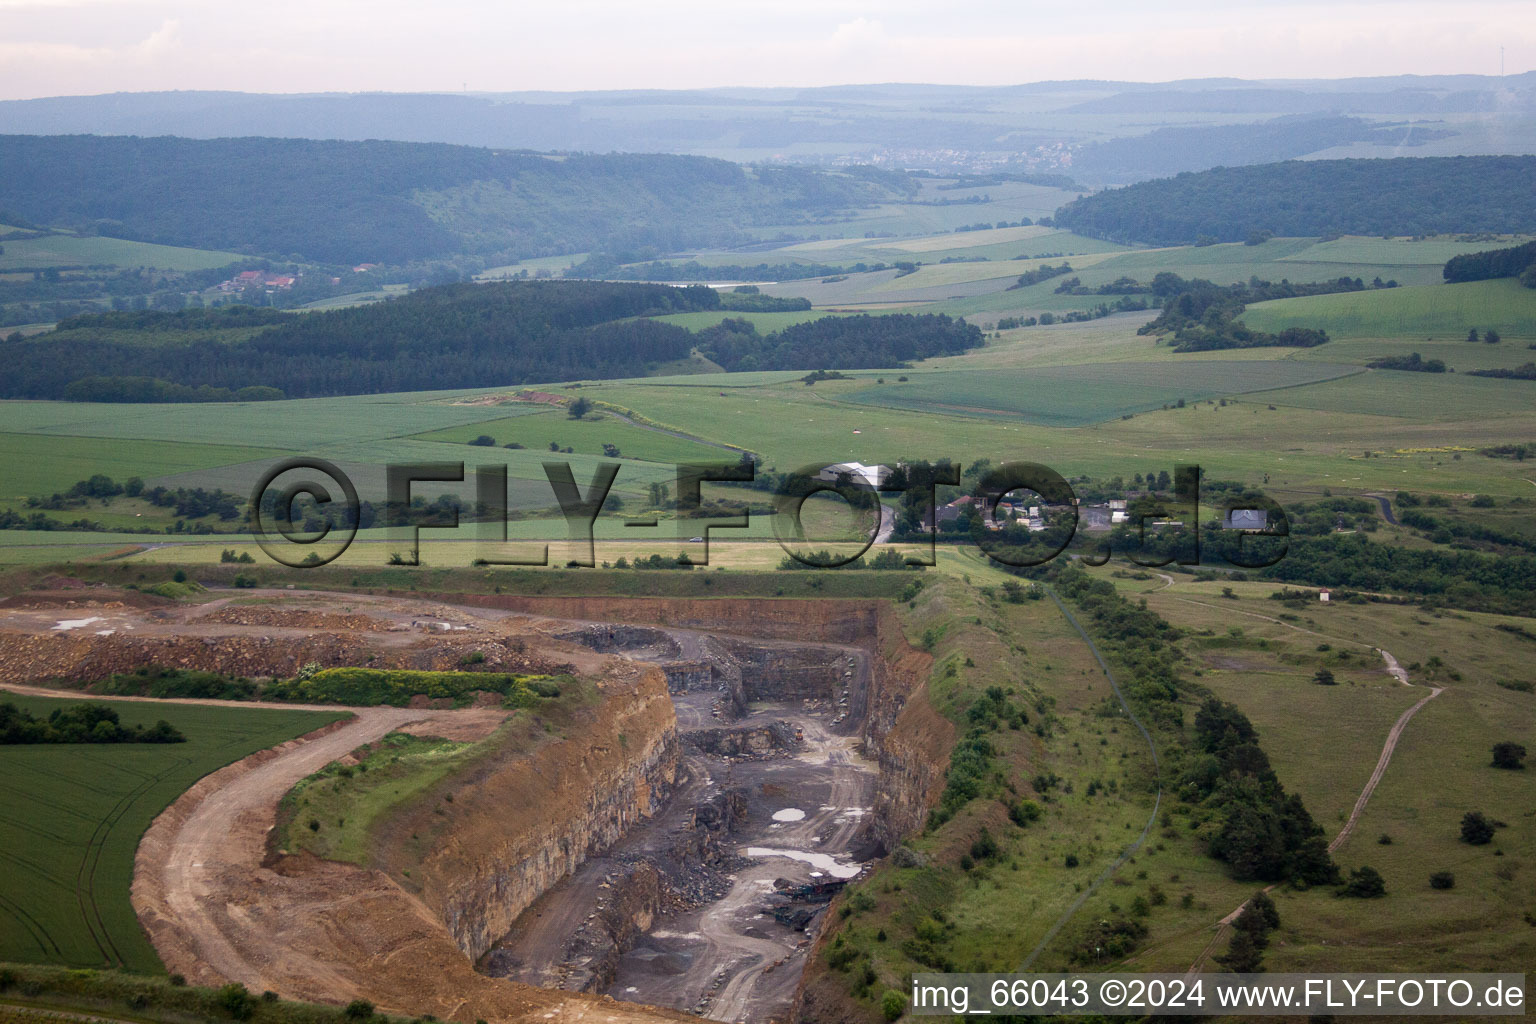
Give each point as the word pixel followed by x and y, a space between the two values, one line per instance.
pixel 78 47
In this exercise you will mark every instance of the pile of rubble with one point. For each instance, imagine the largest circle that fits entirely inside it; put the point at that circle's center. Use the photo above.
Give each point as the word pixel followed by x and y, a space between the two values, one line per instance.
pixel 293 618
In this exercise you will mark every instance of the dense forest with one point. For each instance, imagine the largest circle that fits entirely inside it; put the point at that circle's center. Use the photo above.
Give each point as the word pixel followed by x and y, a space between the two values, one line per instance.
pixel 1402 196
pixel 1517 261
pixel 394 202
pixel 838 343
pixel 453 336
pixel 1202 315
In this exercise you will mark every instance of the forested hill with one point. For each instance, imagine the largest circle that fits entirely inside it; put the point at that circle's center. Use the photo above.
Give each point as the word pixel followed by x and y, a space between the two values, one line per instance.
pixel 455 336
pixel 1403 196
pixel 393 202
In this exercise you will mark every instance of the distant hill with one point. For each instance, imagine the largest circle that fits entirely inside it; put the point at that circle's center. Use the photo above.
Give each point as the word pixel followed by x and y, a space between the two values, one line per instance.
pixel 1169 151
pixel 394 202
pixel 1031 127
pixel 1404 196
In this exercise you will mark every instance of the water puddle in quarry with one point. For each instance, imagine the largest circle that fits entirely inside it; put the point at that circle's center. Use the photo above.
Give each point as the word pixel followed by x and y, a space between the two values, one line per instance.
pixel 710 905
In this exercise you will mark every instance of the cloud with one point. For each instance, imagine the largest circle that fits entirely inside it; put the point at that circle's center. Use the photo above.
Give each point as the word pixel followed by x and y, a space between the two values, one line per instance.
pixel 49 47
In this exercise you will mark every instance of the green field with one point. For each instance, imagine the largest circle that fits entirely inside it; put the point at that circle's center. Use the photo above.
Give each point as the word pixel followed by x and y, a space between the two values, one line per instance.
pixel 587 436
pixel 1075 396
pixel 72 250
pixel 72 815
pixel 1438 311
pixel 42 464
pixel 764 322
pixel 1414 396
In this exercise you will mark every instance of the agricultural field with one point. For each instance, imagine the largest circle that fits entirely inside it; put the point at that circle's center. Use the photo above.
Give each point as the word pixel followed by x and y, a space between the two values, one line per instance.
pixel 538 431
pixel 1438 312
pixel 1415 396
pixel 42 464
pixel 1085 397
pixel 1076 396
pixel 60 250
pixel 71 817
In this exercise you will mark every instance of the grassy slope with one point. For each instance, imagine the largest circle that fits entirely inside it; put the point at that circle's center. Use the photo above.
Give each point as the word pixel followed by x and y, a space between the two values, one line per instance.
pixel 71 817
pixel 1425 312
pixel 72 250
pixel 1324 742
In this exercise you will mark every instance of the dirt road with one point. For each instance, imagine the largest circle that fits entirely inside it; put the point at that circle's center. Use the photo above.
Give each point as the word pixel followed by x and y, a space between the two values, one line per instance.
pixel 1393 735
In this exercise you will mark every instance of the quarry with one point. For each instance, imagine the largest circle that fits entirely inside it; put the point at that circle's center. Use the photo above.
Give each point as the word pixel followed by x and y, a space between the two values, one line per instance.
pixel 671 850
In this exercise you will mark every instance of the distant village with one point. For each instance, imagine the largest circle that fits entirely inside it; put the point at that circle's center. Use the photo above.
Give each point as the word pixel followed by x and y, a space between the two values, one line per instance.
pixel 266 281
pixel 1099 517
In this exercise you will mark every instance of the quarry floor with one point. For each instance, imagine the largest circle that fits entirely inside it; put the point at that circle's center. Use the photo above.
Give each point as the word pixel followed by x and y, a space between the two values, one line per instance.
pixel 726 958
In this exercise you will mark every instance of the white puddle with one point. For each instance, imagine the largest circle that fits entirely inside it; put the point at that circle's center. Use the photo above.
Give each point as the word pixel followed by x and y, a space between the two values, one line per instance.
pixel 823 861
pixel 789 814
pixel 66 624
pixel 105 632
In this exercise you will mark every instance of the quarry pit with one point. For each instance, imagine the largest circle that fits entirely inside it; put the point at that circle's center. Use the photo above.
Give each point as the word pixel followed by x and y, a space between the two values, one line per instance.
pixel 678 852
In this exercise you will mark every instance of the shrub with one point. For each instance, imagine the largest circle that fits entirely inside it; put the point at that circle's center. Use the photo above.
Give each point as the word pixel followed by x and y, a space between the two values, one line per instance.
pixel 358 1009
pixel 236 1001
pixel 893 1004
pixel 1071 860
pixel 1508 755
pixel 1365 883
pixel 1023 812
pixel 1476 829
pixel 368 687
pixel 1442 880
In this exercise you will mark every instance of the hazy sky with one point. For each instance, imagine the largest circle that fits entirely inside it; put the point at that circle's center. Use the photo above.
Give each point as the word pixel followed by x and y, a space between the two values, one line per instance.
pixel 67 47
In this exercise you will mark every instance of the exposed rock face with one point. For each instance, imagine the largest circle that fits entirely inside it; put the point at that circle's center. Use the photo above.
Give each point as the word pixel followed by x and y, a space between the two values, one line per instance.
pixel 519 824
pixel 828 621
pixel 744 742
pixel 899 727
pixel 903 731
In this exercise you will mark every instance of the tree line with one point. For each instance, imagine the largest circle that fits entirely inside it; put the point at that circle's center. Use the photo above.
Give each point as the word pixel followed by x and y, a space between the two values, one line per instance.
pixel 1517 261
pixel 453 336
pixel 79 723
pixel 1401 196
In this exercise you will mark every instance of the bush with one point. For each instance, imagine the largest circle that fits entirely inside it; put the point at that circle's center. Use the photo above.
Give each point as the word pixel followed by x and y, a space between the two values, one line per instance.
pixel 236 1001
pixel 368 687
pixel 1442 880
pixel 1508 755
pixel 1365 883
pixel 893 1004
pixel 1476 829
pixel 358 1009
